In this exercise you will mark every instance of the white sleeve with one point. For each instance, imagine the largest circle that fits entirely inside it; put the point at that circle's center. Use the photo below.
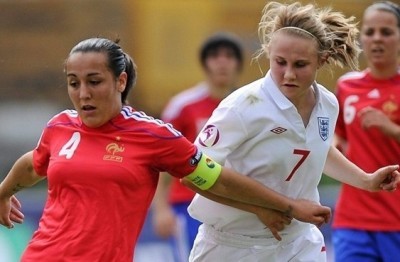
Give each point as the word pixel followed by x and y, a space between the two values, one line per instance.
pixel 222 134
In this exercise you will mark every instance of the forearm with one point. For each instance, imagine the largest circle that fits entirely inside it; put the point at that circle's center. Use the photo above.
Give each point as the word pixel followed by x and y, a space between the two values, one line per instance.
pixel 21 175
pixel 222 200
pixel 340 143
pixel 234 186
pixel 160 199
pixel 394 131
pixel 252 195
pixel 338 167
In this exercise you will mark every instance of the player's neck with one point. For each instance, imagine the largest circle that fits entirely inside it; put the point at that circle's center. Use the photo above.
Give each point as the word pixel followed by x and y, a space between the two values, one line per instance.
pixel 305 105
pixel 219 91
pixel 384 72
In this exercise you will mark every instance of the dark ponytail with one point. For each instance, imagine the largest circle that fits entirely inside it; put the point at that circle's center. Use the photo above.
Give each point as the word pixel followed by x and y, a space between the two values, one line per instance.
pixel 130 69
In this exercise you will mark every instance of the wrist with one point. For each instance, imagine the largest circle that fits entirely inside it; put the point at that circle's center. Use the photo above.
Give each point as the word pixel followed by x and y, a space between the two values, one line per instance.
pixel 290 208
pixel 254 209
pixel 366 181
pixel 3 193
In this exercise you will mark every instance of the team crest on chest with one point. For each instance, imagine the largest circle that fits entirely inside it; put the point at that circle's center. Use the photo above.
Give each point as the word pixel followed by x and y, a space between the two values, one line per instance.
pixel 323 127
pixel 390 107
pixel 114 151
pixel 209 136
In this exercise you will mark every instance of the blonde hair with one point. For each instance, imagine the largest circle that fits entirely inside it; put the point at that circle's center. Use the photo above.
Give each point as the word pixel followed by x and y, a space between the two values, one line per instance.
pixel 335 34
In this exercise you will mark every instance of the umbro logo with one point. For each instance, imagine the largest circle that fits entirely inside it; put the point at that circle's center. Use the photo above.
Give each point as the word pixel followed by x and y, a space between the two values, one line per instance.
pixel 278 130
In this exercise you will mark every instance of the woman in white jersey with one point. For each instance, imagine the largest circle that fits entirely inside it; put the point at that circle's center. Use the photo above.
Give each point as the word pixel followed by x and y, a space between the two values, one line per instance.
pixel 278 130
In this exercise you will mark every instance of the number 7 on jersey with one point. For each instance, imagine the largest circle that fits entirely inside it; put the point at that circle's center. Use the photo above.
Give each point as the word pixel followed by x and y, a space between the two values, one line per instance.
pixel 304 154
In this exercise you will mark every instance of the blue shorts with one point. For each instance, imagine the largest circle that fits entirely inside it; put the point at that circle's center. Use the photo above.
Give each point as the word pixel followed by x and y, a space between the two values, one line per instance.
pixel 182 243
pixel 366 246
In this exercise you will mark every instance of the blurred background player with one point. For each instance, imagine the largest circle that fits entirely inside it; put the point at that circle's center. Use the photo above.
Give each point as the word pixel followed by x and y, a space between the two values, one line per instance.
pixel 367 225
pixel 221 57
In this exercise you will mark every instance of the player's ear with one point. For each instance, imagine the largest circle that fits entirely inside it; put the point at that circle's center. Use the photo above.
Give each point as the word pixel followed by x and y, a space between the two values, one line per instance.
pixel 121 82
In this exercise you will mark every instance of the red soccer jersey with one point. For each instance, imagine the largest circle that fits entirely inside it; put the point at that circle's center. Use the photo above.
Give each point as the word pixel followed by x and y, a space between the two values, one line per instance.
pixel 188 112
pixel 369 149
pixel 100 184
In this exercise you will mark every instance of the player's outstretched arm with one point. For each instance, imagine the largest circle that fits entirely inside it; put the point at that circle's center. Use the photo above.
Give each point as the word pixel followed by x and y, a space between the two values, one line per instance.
pixel 242 188
pixel 340 168
pixel 272 219
pixel 227 183
pixel 20 176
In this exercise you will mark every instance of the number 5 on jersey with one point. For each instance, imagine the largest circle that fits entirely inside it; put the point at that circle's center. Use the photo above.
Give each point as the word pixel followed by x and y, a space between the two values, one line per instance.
pixel 69 148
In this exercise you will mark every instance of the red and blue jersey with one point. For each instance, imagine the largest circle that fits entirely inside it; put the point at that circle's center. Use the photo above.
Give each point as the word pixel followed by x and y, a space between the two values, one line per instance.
pixel 188 112
pixel 101 182
pixel 369 149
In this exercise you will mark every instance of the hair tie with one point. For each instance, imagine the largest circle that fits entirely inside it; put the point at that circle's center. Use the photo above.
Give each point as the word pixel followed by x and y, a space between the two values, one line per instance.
pixel 301 30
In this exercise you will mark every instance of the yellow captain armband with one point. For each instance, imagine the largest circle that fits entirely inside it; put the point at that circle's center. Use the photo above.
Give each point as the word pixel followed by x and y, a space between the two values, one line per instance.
pixel 206 173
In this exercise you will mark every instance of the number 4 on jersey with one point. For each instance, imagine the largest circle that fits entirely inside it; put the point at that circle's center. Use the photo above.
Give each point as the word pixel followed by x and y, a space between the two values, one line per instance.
pixel 304 154
pixel 69 148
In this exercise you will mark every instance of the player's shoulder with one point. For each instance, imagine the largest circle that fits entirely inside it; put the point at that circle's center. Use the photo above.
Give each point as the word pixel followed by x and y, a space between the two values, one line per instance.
pixel 66 117
pixel 185 98
pixel 327 97
pixel 245 95
pixel 139 122
pixel 352 76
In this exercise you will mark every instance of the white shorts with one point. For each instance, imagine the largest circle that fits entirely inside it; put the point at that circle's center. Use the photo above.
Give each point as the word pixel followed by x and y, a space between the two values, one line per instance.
pixel 210 245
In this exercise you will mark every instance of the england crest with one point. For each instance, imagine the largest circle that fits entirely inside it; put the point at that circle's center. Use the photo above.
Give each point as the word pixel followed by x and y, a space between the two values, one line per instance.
pixel 323 126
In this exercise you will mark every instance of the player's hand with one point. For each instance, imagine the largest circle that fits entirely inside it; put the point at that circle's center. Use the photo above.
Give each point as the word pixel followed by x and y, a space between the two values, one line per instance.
pixel 310 212
pixel 372 117
pixel 274 220
pixel 16 215
pixel 164 222
pixel 10 212
pixel 385 178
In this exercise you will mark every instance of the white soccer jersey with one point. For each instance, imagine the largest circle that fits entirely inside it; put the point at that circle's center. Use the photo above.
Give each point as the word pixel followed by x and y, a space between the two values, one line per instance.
pixel 258 132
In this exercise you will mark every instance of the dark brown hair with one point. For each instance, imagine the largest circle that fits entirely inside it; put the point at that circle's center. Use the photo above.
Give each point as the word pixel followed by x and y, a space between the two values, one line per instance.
pixel 118 60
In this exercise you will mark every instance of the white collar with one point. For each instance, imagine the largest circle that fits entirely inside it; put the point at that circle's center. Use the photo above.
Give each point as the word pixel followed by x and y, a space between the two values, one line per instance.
pixel 269 86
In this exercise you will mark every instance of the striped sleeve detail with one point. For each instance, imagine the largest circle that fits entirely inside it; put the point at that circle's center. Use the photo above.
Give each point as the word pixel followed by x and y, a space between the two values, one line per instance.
pixel 142 117
pixel 55 120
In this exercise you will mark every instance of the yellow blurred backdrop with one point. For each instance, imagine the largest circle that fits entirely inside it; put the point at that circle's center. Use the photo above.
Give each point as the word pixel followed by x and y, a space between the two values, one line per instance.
pixel 163 37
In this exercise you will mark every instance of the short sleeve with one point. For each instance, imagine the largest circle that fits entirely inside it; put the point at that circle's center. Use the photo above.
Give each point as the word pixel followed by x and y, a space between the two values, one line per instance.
pixel 222 134
pixel 176 156
pixel 41 154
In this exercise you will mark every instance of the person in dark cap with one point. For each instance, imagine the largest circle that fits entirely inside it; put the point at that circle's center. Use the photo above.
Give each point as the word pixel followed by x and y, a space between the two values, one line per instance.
pixel 221 57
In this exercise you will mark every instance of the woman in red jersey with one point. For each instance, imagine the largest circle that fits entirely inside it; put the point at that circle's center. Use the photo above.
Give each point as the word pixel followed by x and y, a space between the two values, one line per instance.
pixel 367 225
pixel 102 162
pixel 221 58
